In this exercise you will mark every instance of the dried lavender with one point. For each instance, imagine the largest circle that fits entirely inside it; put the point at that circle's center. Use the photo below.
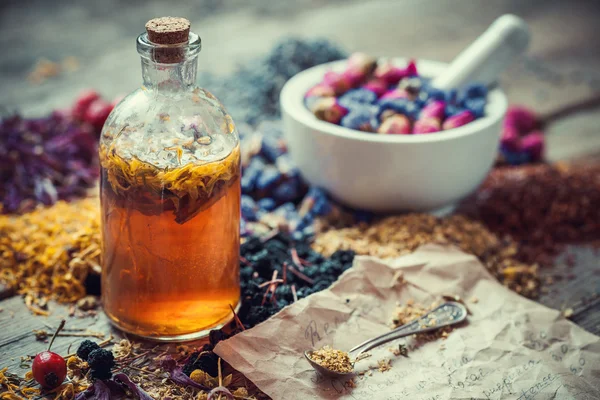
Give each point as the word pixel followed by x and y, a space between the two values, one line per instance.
pixel 45 160
pixel 251 94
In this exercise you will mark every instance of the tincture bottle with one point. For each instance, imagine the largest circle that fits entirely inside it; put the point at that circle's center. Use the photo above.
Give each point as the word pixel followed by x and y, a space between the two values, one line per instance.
pixel 170 197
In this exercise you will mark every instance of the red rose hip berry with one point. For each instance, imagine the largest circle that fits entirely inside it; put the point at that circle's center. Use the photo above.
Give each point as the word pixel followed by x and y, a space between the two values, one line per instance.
pixel 50 369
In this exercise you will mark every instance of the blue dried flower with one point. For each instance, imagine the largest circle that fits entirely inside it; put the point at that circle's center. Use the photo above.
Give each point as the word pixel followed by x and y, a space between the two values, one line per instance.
pixel 249 208
pixel 476 106
pixel 358 119
pixel 268 179
pixel 266 204
pixel 475 91
pixel 357 97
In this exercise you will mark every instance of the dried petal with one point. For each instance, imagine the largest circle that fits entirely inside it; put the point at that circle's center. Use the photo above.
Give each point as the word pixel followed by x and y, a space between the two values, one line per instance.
pixel 389 73
pixel 459 119
pixel 427 125
pixel 328 109
pixel 435 109
pixel 396 94
pixel 396 124
pixel 533 144
pixel 378 86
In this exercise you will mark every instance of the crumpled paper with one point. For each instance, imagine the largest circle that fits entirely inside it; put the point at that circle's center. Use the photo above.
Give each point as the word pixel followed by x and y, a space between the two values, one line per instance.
pixel 510 348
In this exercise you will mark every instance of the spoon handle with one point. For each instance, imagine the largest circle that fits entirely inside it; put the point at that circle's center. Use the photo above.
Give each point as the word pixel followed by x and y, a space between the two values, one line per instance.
pixel 449 313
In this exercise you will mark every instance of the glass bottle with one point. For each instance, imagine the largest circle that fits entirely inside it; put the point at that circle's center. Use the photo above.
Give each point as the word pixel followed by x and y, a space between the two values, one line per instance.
pixel 170 197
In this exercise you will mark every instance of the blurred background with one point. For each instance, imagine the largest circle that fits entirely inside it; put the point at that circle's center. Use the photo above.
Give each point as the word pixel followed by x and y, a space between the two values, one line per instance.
pixel 93 46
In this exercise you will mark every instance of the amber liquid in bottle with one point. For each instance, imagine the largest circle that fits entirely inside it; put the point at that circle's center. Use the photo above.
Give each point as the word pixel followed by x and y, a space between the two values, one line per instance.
pixel 170 197
pixel 164 278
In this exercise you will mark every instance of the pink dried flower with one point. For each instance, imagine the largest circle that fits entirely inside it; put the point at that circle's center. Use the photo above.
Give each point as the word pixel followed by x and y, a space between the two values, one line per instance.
pixel 328 109
pixel 435 109
pixel 521 118
pixel 533 144
pixel 427 125
pixel 377 86
pixel 396 124
pixel 354 77
pixel 389 73
pixel 411 69
pixel 337 81
pixel 396 94
pixel 510 139
pixel 460 119
pixel 362 62
pixel 320 90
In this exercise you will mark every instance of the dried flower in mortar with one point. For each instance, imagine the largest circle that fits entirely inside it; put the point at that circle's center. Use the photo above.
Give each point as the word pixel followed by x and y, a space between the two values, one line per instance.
pixel 337 81
pixel 427 125
pixel 332 359
pixel 435 109
pixel 329 109
pixel 396 124
pixel 357 98
pixel 358 119
pixel 458 120
pixel 395 94
pixel 377 86
pixel 362 62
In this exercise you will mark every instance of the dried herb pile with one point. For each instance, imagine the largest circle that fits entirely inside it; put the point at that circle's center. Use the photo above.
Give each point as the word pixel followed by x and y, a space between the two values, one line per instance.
pixel 277 271
pixel 543 207
pixel 398 235
pixel 43 160
pixel 50 253
pixel 251 93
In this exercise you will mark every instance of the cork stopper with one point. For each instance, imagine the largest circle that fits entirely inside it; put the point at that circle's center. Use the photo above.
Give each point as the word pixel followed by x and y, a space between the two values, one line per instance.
pixel 168 30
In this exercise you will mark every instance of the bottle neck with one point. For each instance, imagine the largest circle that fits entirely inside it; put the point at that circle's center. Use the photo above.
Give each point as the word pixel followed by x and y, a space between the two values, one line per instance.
pixel 169 77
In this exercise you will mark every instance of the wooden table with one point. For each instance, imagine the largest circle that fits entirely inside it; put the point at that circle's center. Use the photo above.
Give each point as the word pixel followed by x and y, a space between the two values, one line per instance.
pixel 561 67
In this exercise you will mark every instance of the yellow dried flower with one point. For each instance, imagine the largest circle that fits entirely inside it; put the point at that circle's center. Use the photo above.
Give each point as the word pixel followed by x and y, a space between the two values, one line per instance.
pixel 50 251
pixel 240 392
pixel 335 360
pixel 192 184
pixel 203 378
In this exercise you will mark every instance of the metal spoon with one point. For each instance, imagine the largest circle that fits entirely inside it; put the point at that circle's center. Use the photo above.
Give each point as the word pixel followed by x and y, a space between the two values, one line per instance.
pixel 449 313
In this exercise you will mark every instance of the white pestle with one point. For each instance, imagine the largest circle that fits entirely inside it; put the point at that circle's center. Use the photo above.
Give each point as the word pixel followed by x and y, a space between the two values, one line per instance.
pixel 487 57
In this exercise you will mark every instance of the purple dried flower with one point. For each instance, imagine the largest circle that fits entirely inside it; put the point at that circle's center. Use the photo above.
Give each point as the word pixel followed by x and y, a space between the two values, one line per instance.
pixel 134 388
pixel 510 139
pixel 396 94
pixel 44 160
pixel 459 119
pixel 427 125
pixel 533 144
pixel 220 390
pixel 521 118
